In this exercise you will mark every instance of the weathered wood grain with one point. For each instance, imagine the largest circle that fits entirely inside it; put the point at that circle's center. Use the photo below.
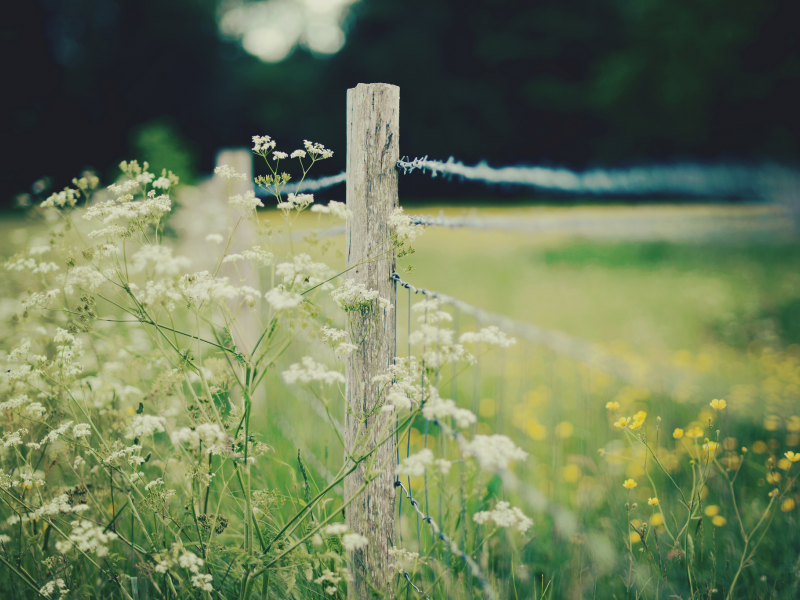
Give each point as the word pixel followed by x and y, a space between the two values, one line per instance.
pixel 372 150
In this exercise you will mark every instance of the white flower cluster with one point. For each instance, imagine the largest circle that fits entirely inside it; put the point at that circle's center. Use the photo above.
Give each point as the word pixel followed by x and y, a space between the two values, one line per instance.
pixel 491 336
pixel 504 515
pixel 158 293
pixel 247 201
pixel 144 426
pixel 23 263
pixel 436 409
pixel 317 151
pixel 335 338
pixel 161 260
pixel 229 173
pixel 57 506
pixel 129 453
pixel 311 371
pixel 407 382
pixel 201 288
pixel 68 350
pixel 493 452
pixel 415 465
pixel 302 272
pixel 85 277
pixel 66 197
pixel 49 588
pixel 210 435
pixel 353 297
pixel 404 560
pixel 262 144
pixel 255 255
pixel 353 541
pixel 432 312
pixel 40 299
pixel 151 208
pixel 402 228
pixel 334 208
pixel 296 202
pixel 282 299
pixel 88 538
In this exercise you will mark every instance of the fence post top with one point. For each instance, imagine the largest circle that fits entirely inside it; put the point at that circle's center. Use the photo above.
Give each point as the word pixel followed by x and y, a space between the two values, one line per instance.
pixel 388 85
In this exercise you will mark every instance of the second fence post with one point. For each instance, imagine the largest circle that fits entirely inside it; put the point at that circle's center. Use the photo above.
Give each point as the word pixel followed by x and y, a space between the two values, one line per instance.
pixel 373 140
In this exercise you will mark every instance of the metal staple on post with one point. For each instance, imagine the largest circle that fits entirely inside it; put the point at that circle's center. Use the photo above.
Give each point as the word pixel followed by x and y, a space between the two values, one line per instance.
pixel 372 154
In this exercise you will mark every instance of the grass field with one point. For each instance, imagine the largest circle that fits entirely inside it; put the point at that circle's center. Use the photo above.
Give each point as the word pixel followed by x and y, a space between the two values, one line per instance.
pixel 695 302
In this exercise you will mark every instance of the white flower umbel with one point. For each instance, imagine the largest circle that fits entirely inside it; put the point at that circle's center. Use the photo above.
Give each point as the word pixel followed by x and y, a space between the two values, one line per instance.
pixel 402 228
pixel 159 259
pixel 229 173
pixel 88 538
pixel 354 297
pixel 404 560
pixel 49 588
pixel 317 151
pixel 282 299
pixel 491 336
pixel 302 272
pixel 436 409
pixel 209 434
pixel 493 452
pixel 335 209
pixel 192 562
pixel 262 144
pixel 504 515
pixel 214 238
pixel 414 465
pixel 144 426
pixel 309 371
pixel 354 541
pixel 247 201
pixel 336 529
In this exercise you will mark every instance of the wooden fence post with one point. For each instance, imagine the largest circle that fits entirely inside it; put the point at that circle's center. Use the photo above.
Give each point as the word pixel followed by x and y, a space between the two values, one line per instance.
pixel 373 125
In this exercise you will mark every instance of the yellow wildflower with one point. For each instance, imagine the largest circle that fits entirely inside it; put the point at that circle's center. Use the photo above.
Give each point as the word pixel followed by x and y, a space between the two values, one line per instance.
pixel 774 493
pixel 793 456
pixel 718 404
pixel 640 416
pixel 622 423
pixel 653 501
pixel 656 519
pixel 629 484
pixel 787 505
pixel 710 447
pixel 694 432
pixel 719 520
pixel 678 433
pixel 612 405
pixel 712 510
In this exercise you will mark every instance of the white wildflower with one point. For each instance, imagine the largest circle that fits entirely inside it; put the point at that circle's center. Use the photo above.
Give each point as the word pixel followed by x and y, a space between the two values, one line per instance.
pixel 298 154
pixel 414 465
pixel 82 430
pixel 210 434
pixel 229 173
pixel 504 515
pixel 161 259
pixel 491 336
pixel 282 299
pixel 444 465
pixel 437 408
pixel 354 541
pixel 404 560
pixel 35 409
pixel 336 529
pixel 493 452
pixel 317 151
pixel 352 297
pixel 262 144
pixel 404 230
pixel 311 371
pixel 214 238
pixel 334 208
pixel 302 272
pixel 144 426
pixel 246 201
pixel 88 538
pixel 277 155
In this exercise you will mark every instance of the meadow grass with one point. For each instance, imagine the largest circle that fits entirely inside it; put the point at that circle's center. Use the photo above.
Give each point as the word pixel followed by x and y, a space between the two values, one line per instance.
pixel 713 319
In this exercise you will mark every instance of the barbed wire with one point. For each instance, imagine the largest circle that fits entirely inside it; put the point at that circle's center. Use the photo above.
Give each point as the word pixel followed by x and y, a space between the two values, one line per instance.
pixel 454 548
pixel 560 342
pixel 723 180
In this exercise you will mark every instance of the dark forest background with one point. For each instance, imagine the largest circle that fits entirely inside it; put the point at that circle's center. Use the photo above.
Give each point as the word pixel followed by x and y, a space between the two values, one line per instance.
pixel 87 83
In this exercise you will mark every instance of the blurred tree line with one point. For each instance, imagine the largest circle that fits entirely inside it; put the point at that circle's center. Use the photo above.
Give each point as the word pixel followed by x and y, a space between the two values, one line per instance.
pixel 566 82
